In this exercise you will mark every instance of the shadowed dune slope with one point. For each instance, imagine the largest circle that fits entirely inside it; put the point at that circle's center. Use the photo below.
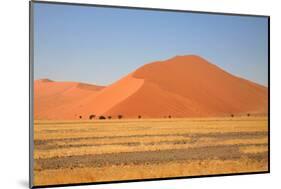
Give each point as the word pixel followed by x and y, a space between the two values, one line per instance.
pixel 183 86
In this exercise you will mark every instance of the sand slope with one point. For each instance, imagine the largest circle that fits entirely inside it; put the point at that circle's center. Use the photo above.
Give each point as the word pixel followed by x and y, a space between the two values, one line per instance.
pixel 104 100
pixel 183 86
pixel 187 86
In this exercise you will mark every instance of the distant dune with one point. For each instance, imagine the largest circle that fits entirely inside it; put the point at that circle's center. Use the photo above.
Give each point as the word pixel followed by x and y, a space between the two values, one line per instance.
pixel 183 86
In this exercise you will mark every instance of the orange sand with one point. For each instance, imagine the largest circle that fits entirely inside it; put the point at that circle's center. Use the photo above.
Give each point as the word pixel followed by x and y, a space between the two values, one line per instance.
pixel 184 86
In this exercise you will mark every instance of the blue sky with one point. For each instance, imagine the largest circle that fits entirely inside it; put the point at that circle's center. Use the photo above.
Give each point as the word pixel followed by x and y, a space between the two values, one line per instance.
pixel 100 45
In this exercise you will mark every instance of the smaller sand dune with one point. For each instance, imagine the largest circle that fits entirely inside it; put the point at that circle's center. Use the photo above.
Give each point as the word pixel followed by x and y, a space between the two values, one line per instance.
pixel 51 98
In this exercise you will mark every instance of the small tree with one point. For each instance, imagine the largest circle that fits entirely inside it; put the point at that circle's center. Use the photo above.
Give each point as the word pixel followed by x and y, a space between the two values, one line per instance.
pixel 169 116
pixel 80 117
pixel 232 115
pixel 248 115
pixel 120 116
pixel 102 117
pixel 92 116
pixel 139 116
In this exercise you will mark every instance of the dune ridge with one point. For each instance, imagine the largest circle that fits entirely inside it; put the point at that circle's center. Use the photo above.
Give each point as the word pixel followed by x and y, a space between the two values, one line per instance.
pixel 182 86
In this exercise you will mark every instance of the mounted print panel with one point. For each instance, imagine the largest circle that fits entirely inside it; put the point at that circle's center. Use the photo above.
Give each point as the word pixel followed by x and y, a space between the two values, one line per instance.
pixel 125 94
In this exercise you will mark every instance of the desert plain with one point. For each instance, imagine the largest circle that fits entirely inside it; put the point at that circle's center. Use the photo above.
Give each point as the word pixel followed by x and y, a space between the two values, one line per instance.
pixel 95 151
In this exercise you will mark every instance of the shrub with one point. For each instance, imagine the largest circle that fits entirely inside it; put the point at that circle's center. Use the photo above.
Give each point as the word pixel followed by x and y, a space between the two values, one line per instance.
pixel 80 117
pixel 120 116
pixel 232 115
pixel 248 115
pixel 92 116
pixel 102 117
pixel 109 117
pixel 169 116
pixel 139 116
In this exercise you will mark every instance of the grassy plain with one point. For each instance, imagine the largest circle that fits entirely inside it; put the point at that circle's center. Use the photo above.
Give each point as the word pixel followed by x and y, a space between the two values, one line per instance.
pixel 68 152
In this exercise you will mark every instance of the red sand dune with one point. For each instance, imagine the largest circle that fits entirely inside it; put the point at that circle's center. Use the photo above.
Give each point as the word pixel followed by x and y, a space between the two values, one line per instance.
pixel 184 86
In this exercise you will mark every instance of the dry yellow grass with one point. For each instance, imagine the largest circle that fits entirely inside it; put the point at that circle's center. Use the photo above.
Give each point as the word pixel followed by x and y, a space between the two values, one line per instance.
pixel 205 167
pixel 133 127
pixel 106 150
pixel 57 152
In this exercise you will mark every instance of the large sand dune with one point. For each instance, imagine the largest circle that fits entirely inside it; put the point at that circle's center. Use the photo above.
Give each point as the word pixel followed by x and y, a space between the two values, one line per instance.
pixel 183 86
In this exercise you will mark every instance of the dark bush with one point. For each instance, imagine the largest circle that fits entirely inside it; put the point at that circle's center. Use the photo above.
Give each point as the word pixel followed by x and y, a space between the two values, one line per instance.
pixel 120 116
pixel 139 116
pixel 92 116
pixel 80 117
pixel 109 117
pixel 102 117
pixel 232 115
pixel 169 116
pixel 248 115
